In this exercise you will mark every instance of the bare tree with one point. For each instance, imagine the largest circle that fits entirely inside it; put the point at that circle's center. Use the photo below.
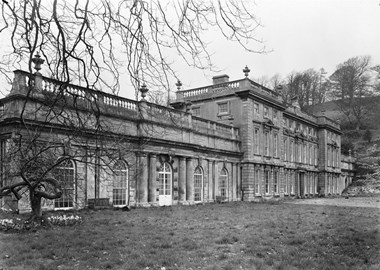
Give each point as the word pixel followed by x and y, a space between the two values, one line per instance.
pixel 276 81
pixel 351 83
pixel 50 127
pixel 88 43
pixel 306 86
pixel 93 42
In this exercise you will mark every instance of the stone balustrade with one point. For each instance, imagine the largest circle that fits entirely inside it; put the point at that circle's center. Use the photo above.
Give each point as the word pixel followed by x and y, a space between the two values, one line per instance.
pixel 232 86
pixel 39 86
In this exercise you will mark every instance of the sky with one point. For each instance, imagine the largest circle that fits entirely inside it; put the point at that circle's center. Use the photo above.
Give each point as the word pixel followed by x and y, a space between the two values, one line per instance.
pixel 300 34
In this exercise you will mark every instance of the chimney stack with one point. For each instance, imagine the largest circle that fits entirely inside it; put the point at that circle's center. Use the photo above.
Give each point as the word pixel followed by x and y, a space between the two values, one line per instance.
pixel 220 79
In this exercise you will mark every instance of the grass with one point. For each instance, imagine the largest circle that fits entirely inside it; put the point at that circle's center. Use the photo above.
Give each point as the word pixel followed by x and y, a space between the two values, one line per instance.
pixel 215 236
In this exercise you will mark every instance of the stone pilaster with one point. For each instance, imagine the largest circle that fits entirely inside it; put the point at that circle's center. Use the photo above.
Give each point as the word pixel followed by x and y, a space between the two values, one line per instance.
pixel 189 180
pixel 248 181
pixel 182 180
pixel 238 182
pixel 152 185
pixel 142 180
pixel 211 185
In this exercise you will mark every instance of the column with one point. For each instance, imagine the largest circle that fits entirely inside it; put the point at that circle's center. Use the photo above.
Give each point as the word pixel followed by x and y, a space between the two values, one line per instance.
pixel 239 182
pixel 234 181
pixel 231 179
pixel 210 181
pixel 189 180
pixel 142 178
pixel 182 180
pixel 216 178
pixel 152 185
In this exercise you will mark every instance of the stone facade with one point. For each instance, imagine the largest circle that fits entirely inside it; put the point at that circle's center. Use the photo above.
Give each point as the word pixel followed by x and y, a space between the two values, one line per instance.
pixel 229 141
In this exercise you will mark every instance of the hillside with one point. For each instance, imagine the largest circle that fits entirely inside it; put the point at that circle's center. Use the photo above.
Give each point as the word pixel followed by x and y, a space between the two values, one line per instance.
pixel 366 149
pixel 336 111
pixel 351 135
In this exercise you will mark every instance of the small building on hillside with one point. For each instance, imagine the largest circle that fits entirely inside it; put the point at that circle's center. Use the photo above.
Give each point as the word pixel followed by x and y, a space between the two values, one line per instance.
pixel 231 140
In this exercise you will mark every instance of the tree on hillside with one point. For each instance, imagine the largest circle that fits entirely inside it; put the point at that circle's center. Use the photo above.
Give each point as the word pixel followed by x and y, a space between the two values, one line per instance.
pixel 88 43
pixel 306 85
pixel 93 42
pixel 272 82
pixel 376 85
pixel 351 83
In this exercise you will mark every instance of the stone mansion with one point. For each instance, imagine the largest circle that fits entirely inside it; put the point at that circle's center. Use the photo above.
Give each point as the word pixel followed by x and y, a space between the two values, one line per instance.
pixel 231 141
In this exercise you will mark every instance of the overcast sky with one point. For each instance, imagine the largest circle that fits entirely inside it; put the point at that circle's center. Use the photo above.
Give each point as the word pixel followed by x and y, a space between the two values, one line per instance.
pixel 302 34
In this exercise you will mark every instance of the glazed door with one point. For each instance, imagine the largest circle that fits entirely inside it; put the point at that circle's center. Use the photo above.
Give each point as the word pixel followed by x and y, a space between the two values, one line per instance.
pixel 165 185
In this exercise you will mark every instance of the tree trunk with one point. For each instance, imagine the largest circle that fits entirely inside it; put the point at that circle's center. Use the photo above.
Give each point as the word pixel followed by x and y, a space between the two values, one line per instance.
pixel 35 203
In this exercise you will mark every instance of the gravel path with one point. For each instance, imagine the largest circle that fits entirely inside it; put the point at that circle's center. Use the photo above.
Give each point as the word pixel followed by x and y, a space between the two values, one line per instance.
pixel 350 202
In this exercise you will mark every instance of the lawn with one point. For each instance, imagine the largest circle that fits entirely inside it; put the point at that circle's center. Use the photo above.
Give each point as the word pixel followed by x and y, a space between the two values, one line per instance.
pixel 227 236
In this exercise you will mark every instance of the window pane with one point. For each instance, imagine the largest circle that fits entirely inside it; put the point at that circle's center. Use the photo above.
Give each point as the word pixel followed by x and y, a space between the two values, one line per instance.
pixel 198 184
pixel 65 174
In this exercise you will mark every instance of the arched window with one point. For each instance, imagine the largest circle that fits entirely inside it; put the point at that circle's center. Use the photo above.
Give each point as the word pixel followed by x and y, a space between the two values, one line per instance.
pixel 223 178
pixel 120 183
pixel 198 184
pixel 65 174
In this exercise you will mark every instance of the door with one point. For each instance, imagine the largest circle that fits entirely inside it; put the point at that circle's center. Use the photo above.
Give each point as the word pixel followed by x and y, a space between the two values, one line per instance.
pixel 165 185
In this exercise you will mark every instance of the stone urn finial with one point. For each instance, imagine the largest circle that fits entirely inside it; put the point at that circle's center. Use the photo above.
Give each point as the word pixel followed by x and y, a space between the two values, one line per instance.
pixel 143 90
pixel 246 71
pixel 37 61
pixel 179 85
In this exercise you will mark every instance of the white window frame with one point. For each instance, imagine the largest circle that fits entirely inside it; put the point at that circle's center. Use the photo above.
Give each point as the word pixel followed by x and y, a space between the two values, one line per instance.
pixel 120 183
pixel 198 184
pixel 257 181
pixel 276 186
pixel 66 201
pixel 221 105
pixel 267 174
pixel 223 181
